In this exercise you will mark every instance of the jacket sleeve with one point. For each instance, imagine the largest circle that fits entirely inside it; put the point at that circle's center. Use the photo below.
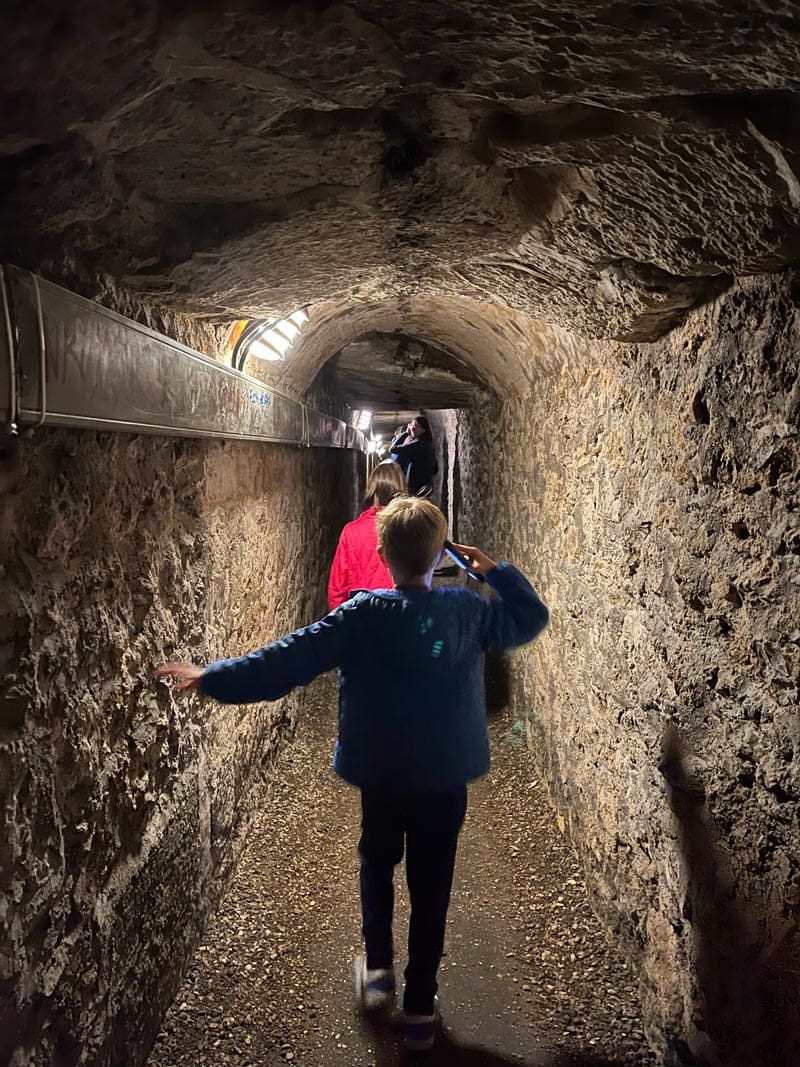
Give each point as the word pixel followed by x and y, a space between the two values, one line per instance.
pixel 517 616
pixel 405 447
pixel 403 453
pixel 274 671
pixel 339 582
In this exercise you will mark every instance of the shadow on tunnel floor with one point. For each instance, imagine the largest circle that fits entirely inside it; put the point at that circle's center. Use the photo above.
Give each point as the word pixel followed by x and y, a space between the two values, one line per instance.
pixel 385 1035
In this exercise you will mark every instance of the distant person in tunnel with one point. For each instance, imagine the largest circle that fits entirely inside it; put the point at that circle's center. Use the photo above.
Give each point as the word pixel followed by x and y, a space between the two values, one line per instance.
pixel 412 729
pixel 356 564
pixel 414 450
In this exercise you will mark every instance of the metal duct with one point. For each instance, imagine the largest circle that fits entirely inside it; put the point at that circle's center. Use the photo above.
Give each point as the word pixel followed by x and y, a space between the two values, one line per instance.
pixel 65 361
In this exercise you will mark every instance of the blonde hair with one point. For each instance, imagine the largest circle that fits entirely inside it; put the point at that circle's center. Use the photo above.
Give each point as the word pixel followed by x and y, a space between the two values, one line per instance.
pixel 385 483
pixel 411 534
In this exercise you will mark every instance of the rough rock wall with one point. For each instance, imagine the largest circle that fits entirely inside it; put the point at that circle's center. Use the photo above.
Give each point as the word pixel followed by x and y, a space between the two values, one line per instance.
pixel 654 499
pixel 443 425
pixel 122 805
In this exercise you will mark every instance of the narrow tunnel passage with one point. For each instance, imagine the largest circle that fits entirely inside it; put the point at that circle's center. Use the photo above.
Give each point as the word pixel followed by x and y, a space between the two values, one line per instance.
pixel 529 976
pixel 570 234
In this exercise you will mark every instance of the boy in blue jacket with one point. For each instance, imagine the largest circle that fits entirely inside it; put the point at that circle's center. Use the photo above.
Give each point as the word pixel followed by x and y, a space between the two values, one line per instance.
pixel 412 729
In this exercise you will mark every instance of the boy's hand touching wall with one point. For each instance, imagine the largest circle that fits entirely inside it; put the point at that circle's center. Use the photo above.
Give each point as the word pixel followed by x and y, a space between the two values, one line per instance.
pixel 187 675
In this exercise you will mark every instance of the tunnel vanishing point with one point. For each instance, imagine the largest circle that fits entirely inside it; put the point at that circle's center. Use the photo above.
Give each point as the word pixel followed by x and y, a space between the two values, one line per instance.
pixel 569 233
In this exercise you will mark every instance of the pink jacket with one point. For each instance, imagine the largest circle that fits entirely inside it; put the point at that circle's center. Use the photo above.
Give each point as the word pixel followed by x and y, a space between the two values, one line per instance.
pixel 357 564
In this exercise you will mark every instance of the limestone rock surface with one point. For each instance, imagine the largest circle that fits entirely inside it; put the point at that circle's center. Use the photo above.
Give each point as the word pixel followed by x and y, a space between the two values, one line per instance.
pixel 123 808
pixel 603 166
pixel 651 493
pixel 401 373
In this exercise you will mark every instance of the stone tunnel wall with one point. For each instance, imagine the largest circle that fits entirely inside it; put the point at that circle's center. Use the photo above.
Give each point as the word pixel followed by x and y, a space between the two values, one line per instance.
pixel 653 497
pixel 124 807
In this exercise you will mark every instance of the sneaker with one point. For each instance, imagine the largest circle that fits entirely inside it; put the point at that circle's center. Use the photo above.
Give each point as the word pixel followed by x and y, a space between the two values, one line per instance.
pixel 419 1031
pixel 374 989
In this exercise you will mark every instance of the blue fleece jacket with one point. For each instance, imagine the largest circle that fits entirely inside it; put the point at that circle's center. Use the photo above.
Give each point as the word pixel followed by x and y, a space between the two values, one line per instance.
pixel 412 713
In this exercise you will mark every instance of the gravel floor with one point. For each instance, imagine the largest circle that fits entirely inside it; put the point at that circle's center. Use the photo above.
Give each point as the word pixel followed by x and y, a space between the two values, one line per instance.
pixel 528 979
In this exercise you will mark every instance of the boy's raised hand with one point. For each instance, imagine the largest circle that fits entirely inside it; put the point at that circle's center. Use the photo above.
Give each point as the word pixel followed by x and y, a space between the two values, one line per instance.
pixel 478 561
pixel 186 675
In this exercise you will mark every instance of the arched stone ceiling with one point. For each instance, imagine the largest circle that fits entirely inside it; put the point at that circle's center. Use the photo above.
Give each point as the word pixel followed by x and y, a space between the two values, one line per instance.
pixel 488 343
pixel 391 371
pixel 601 166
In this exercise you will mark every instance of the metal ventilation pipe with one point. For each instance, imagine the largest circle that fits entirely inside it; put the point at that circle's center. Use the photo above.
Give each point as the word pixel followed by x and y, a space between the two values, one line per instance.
pixel 66 361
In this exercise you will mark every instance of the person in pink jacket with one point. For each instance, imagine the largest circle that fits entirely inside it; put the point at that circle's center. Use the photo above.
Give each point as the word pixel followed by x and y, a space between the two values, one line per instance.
pixel 357 564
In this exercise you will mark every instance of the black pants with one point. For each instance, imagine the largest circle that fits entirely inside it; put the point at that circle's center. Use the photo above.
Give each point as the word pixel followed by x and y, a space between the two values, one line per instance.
pixel 427 826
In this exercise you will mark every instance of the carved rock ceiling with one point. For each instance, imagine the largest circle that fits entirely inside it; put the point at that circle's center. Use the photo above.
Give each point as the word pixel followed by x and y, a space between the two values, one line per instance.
pixel 598 166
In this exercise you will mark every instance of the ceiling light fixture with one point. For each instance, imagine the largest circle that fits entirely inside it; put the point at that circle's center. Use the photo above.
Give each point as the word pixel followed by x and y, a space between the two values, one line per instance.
pixel 266 340
pixel 265 352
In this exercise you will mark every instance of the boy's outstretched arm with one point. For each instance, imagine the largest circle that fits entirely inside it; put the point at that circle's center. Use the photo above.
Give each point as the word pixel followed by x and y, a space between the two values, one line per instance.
pixel 519 615
pixel 270 672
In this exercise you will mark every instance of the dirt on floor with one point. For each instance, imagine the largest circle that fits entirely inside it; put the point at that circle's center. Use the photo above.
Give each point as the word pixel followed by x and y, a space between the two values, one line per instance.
pixel 528 977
